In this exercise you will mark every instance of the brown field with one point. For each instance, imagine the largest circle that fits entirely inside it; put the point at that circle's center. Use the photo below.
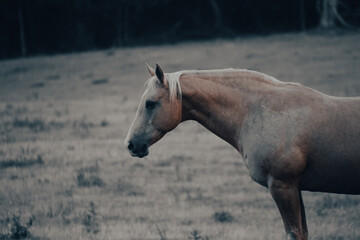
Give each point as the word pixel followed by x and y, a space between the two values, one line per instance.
pixel 63 120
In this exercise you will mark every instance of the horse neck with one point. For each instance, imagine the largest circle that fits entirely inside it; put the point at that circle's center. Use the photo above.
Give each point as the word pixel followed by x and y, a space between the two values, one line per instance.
pixel 220 101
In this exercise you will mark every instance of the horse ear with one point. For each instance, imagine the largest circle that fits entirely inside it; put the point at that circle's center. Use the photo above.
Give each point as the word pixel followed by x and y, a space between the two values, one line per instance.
pixel 160 74
pixel 150 69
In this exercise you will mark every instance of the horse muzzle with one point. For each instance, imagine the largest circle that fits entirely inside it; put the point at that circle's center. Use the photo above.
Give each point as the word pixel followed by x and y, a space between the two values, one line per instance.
pixel 139 150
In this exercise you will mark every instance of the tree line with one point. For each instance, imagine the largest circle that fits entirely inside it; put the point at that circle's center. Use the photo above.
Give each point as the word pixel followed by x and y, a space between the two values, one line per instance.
pixel 30 27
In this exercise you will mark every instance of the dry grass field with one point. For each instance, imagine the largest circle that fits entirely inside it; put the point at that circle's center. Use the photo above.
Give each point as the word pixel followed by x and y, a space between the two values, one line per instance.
pixel 64 173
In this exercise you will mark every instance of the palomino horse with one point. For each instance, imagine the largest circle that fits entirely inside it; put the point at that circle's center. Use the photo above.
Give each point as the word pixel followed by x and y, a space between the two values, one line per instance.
pixel 291 137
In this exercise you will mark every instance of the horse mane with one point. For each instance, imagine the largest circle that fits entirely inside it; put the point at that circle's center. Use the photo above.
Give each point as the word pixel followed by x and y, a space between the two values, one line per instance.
pixel 173 79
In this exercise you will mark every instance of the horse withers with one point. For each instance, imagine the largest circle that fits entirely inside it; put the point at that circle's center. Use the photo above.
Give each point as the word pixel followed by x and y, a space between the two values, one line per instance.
pixel 291 137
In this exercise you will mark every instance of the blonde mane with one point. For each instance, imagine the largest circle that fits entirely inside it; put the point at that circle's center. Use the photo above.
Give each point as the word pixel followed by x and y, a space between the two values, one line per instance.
pixel 173 79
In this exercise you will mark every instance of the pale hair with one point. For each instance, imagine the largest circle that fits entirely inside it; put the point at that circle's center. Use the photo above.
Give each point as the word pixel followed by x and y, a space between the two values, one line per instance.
pixel 173 81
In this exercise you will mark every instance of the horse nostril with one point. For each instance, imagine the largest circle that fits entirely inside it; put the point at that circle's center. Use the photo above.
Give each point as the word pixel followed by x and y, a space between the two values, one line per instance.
pixel 131 146
pixel 144 148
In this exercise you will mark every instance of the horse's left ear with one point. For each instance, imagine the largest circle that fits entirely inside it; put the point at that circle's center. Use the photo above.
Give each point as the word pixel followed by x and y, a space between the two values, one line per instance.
pixel 160 74
pixel 150 70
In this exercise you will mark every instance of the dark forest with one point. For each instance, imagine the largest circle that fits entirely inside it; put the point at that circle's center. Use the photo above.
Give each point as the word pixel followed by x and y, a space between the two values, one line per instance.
pixel 46 27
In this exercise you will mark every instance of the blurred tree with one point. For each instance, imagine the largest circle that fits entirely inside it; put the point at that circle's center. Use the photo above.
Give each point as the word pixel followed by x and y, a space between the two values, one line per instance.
pixel 329 14
pixel 31 27
pixel 327 18
pixel 22 32
pixel 217 13
pixel 219 27
pixel 302 15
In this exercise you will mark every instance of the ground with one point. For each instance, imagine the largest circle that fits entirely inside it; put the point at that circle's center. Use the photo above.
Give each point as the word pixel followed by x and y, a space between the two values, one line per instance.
pixel 64 173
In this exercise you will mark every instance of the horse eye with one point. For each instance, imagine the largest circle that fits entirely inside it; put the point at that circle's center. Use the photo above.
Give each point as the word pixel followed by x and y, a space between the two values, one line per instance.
pixel 150 105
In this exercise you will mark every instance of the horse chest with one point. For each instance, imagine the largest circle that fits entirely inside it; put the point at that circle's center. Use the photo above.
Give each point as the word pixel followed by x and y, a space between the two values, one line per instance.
pixel 257 170
pixel 266 154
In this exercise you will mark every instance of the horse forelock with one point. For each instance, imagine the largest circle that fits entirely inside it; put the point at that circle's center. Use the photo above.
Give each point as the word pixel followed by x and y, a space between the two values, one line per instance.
pixel 151 85
pixel 173 82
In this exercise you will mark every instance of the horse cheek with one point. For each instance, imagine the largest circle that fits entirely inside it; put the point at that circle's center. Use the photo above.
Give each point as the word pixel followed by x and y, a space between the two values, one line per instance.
pixel 159 120
pixel 165 119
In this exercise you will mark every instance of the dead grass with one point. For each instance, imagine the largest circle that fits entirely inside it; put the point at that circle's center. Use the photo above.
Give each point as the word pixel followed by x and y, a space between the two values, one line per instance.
pixel 36 124
pixel 91 220
pixel 22 162
pixel 26 157
pixel 100 81
pixel 192 185
pixel 16 229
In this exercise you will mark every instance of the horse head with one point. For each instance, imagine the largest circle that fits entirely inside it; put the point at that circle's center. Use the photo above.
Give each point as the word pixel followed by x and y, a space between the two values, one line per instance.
pixel 159 112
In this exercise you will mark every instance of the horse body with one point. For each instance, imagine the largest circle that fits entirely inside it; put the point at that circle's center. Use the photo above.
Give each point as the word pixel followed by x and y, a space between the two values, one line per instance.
pixel 333 163
pixel 291 137
pixel 317 140
pixel 287 126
